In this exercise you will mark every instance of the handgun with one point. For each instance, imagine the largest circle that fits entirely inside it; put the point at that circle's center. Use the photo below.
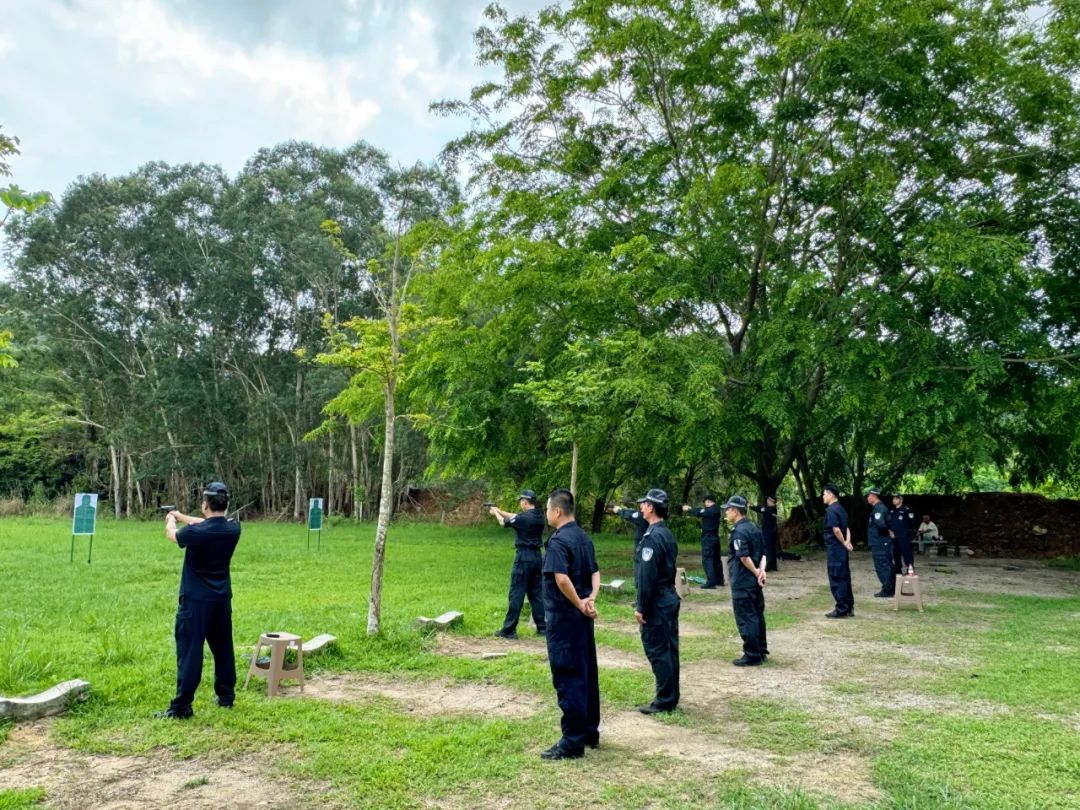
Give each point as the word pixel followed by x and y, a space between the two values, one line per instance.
pixel 488 504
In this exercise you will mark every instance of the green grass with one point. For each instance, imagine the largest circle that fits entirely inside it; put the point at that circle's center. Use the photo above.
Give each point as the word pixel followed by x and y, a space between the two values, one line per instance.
pixel 17 799
pixel 1065 563
pixel 111 623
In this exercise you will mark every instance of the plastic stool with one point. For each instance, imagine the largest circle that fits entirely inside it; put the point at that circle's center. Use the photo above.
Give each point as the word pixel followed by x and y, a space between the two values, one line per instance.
pixel 276 671
pixel 911 596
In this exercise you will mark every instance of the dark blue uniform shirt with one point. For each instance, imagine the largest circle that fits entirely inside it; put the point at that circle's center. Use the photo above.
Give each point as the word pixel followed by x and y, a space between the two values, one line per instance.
pixel 877 528
pixel 745 541
pixel 654 569
pixel 768 519
pixel 208 549
pixel 902 522
pixel 835 516
pixel 529 528
pixel 570 552
pixel 710 520
pixel 639 521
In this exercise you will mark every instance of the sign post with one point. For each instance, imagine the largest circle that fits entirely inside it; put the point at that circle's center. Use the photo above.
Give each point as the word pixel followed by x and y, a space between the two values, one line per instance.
pixel 84 522
pixel 314 521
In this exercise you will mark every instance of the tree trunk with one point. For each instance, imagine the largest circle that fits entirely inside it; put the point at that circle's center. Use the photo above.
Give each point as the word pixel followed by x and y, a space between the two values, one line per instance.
pixel 126 460
pixel 114 464
pixel 330 478
pixel 355 473
pixel 597 516
pixel 385 504
pixel 573 471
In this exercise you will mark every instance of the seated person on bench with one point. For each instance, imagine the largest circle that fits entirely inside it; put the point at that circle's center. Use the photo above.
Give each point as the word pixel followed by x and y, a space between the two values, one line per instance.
pixel 928 532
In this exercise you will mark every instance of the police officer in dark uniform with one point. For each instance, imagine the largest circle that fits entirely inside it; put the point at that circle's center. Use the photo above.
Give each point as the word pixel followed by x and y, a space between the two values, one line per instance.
pixel 657 604
pixel 902 522
pixel 571 582
pixel 837 546
pixel 769 532
pixel 746 570
pixel 710 541
pixel 635 519
pixel 525 574
pixel 205 610
pixel 880 541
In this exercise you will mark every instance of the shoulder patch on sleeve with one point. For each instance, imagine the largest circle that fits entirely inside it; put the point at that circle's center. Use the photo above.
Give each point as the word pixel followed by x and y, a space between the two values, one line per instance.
pixel 735 542
pixel 636 515
pixel 646 553
pixel 513 519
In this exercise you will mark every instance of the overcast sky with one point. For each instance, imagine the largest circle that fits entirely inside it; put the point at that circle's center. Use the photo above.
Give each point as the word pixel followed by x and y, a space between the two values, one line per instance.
pixel 107 85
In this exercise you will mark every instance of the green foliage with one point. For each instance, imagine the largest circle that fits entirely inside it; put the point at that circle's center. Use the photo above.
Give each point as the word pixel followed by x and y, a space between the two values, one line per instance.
pixel 19 799
pixel 824 238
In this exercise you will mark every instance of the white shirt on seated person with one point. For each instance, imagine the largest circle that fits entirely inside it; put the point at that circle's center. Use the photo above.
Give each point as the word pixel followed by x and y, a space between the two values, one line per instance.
pixel 928 530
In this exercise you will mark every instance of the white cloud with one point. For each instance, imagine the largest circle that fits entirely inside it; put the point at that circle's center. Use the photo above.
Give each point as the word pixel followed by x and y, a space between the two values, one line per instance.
pixel 177 61
pixel 7 44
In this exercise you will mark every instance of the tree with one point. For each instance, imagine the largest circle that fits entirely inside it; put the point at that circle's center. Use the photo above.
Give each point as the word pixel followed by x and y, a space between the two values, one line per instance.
pixel 13 197
pixel 840 212
pixel 375 352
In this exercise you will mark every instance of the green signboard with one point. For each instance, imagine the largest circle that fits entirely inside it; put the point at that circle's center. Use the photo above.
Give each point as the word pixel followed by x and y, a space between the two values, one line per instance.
pixel 85 517
pixel 315 514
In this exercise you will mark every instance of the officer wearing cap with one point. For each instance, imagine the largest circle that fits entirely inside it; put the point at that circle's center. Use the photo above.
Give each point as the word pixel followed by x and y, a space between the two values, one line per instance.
pixel 635 519
pixel 205 610
pixel 837 546
pixel 769 532
pixel 571 582
pixel 880 541
pixel 710 541
pixel 902 523
pixel 656 607
pixel 525 573
pixel 746 569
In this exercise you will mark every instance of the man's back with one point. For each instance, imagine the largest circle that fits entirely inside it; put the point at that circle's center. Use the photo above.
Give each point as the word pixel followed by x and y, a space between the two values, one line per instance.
pixel 208 550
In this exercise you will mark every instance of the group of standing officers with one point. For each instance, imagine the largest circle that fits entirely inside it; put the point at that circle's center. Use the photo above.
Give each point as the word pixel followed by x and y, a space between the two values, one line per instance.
pixel 889 534
pixel 562 586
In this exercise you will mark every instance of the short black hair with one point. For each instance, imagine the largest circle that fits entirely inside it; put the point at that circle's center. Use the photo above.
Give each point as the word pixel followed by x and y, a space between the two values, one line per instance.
pixel 216 502
pixel 661 509
pixel 563 500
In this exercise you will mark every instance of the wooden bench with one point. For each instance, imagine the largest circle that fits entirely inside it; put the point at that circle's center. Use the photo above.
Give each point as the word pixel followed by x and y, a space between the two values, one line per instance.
pixel 933 542
pixel 448 619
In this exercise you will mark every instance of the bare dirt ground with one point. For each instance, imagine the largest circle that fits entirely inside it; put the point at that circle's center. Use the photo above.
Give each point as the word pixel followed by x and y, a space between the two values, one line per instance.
pixel 810 663
pixel 74 780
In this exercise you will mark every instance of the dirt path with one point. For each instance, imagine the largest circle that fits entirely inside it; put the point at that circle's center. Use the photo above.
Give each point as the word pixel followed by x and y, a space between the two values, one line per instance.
pixel 74 780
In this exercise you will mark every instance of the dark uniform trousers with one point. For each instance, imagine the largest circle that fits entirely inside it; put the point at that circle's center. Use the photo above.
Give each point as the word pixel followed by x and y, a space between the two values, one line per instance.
pixel 198 622
pixel 903 553
pixel 881 550
pixel 572 655
pixel 836 563
pixel 660 638
pixel 749 607
pixel 710 555
pixel 526 577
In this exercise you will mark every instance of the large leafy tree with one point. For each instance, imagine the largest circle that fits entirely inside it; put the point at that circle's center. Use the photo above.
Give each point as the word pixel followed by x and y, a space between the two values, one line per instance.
pixel 822 225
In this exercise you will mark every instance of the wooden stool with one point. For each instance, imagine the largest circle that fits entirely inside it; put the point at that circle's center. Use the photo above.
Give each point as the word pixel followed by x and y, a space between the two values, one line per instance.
pixel 682 584
pixel 912 596
pixel 276 671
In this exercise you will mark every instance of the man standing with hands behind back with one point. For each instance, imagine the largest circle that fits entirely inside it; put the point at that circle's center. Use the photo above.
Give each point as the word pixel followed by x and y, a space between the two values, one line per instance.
pixel 205 610
pixel 571 582
pixel 837 546
pixel 657 604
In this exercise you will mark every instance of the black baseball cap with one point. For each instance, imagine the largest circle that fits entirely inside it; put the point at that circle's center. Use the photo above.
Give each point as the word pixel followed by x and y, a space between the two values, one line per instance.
pixel 874 491
pixel 527 495
pixel 833 488
pixel 654 496
pixel 771 498
pixel 215 488
pixel 735 502
pixel 711 497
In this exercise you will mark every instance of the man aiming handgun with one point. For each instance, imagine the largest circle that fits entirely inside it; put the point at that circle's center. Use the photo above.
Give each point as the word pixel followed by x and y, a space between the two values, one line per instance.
pixel 526 577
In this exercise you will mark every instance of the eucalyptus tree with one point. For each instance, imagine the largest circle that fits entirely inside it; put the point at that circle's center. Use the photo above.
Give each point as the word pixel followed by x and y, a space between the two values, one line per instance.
pixel 376 349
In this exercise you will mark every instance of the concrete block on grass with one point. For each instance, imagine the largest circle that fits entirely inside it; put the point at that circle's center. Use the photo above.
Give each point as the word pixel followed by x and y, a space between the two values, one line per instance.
pixel 448 619
pixel 52 701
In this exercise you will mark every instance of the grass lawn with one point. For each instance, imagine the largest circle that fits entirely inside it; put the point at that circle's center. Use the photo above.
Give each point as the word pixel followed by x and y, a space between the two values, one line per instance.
pixel 973 704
